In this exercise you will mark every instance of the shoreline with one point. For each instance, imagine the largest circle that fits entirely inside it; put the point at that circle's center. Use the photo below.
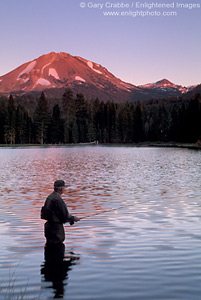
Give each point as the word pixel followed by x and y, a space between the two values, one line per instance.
pixel 193 146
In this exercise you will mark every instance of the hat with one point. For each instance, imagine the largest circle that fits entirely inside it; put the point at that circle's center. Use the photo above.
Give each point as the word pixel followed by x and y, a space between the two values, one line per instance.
pixel 59 183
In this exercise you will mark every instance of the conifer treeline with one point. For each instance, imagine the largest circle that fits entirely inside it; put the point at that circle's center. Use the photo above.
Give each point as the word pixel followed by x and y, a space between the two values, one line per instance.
pixel 76 120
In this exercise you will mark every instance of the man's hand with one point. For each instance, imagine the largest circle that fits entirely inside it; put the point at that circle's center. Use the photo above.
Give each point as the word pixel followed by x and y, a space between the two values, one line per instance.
pixel 76 219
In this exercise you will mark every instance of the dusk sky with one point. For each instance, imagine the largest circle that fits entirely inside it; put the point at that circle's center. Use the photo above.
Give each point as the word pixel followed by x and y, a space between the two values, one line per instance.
pixel 138 50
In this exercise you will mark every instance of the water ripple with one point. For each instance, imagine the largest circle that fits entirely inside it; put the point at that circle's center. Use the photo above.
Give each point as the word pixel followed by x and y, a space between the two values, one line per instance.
pixel 140 238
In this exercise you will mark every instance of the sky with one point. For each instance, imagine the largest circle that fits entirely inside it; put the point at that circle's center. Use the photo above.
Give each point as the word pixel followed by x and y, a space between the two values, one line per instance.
pixel 136 45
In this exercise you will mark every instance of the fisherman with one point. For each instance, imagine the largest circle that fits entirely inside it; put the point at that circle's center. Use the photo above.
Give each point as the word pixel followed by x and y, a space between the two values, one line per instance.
pixel 56 213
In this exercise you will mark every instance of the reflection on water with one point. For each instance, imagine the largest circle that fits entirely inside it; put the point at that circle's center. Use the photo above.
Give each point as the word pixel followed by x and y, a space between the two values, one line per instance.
pixel 56 267
pixel 144 244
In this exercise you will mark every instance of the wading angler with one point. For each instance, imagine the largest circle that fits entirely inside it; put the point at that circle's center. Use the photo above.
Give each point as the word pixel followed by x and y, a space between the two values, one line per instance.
pixel 55 212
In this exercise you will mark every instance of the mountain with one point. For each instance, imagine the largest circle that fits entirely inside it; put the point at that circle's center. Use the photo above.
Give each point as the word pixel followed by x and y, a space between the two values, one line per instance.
pixel 165 88
pixel 54 72
pixel 192 92
pixel 165 85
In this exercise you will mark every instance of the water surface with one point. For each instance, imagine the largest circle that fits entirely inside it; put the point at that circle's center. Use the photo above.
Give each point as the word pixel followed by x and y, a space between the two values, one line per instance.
pixel 146 243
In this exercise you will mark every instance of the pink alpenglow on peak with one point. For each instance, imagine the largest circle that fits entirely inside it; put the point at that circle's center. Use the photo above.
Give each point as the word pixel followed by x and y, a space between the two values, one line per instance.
pixel 54 72
pixel 57 70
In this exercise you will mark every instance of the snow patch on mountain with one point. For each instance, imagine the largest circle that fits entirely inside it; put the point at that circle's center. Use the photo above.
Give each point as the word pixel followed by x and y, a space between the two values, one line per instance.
pixel 43 81
pixel 26 79
pixel 90 64
pixel 28 68
pixel 165 86
pixel 79 78
pixel 45 67
pixel 125 84
pixel 53 72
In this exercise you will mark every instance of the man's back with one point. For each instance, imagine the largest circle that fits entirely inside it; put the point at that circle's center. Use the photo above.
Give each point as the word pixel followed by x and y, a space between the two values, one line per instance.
pixel 56 213
pixel 57 216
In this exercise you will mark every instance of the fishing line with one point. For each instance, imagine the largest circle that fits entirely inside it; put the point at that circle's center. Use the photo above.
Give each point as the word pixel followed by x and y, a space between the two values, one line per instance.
pixel 105 211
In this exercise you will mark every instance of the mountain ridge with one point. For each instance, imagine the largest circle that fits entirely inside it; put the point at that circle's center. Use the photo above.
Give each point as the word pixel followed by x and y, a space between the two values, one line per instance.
pixel 53 72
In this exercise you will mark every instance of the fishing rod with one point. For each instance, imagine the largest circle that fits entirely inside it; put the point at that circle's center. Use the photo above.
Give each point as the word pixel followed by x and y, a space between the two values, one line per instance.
pixel 105 211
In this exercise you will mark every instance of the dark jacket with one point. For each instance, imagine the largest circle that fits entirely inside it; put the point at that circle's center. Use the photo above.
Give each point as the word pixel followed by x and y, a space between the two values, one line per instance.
pixel 56 213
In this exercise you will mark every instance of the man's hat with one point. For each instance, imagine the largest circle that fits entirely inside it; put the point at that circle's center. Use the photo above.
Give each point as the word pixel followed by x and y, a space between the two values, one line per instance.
pixel 59 183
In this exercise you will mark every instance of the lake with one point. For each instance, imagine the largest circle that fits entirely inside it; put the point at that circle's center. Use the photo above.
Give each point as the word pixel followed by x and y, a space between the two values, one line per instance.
pixel 140 235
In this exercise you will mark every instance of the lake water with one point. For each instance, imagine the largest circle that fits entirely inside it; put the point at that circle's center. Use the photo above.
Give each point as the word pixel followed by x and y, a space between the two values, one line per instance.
pixel 146 243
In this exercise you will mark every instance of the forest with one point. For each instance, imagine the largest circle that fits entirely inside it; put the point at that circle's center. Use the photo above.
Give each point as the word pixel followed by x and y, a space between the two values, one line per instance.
pixel 74 119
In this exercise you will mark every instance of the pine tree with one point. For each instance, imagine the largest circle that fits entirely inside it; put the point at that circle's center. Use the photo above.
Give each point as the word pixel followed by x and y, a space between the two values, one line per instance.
pixel 138 129
pixel 124 123
pixel 3 113
pixel 22 125
pixel 110 113
pixel 10 124
pixel 194 119
pixel 174 133
pixel 74 134
pixel 41 119
pixel 68 104
pixel 163 120
pixel 100 122
pixel 56 126
pixel 154 125
pixel 91 128
pixel 81 117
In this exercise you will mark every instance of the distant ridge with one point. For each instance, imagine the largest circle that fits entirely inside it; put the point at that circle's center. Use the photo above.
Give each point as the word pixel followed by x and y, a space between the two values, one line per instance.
pixel 54 72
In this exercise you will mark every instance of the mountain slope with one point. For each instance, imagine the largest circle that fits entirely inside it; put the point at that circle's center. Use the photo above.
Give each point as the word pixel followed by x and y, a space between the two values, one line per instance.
pixel 60 70
pixel 54 72
pixel 165 86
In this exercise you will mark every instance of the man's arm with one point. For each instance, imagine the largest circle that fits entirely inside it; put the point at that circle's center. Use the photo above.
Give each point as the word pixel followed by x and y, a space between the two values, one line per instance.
pixel 64 215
